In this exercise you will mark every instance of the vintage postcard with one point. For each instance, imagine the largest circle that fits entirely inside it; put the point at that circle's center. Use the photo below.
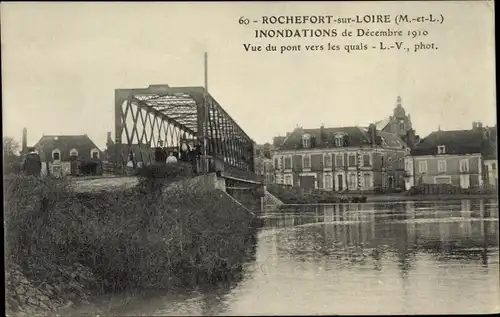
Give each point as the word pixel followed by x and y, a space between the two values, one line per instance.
pixel 250 158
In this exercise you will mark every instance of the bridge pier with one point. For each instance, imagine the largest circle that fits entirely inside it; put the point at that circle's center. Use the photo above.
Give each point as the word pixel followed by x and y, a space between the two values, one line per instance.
pixel 248 193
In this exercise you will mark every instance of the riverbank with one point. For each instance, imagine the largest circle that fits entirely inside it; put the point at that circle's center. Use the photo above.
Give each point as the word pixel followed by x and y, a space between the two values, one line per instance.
pixel 394 198
pixel 63 247
pixel 295 195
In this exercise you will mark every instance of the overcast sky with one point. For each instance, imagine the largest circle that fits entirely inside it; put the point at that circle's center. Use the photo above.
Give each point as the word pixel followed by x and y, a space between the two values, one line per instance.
pixel 62 61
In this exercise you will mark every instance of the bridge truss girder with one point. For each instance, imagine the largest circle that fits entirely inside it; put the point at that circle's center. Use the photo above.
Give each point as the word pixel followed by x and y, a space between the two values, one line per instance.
pixel 143 117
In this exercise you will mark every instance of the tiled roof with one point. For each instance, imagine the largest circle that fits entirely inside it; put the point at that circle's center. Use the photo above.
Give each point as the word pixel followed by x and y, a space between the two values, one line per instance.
pixel 65 143
pixel 455 142
pixel 325 138
pixel 391 139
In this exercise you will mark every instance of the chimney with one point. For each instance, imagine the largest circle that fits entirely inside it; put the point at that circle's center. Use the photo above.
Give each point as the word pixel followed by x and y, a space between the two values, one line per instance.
pixel 24 148
pixel 322 134
pixel 372 130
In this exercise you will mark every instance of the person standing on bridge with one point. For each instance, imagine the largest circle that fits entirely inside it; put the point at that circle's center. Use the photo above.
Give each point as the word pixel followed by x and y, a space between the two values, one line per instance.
pixel 160 155
pixel 171 159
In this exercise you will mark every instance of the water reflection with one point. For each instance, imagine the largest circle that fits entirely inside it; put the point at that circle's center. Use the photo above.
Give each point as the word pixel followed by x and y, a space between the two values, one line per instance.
pixel 399 258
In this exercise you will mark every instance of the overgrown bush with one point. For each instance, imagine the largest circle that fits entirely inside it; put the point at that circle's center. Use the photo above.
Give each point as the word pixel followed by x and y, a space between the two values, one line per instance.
pixel 134 238
pixel 157 176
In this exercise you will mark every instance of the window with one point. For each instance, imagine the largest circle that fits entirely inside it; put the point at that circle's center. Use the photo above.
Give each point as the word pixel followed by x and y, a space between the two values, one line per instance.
pixel 306 141
pixel 288 180
pixel 441 149
pixel 73 152
pixel 94 153
pixel 366 160
pixel 288 162
pixel 402 125
pixel 464 165
pixel 422 167
pixel 279 179
pixel 352 160
pixel 339 140
pixel 441 166
pixel 306 162
pixel 368 180
pixel 56 155
pixel 352 181
pixel 278 162
pixel 339 160
pixel 401 163
pixel 407 166
pixel 327 161
pixel 328 181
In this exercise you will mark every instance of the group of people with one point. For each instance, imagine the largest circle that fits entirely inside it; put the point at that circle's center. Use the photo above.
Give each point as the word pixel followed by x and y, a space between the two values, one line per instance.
pixel 187 154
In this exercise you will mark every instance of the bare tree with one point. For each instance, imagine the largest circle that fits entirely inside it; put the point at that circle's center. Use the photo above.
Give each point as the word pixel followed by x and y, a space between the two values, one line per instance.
pixel 10 147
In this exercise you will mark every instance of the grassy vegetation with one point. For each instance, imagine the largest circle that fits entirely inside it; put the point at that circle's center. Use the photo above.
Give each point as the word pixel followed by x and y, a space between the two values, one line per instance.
pixel 294 195
pixel 130 239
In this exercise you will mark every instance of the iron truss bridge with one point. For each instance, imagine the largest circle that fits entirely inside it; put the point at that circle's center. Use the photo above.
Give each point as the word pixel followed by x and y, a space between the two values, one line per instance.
pixel 176 119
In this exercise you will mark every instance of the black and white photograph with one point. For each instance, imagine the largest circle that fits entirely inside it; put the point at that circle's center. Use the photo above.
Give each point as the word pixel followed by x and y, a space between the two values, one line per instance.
pixel 249 158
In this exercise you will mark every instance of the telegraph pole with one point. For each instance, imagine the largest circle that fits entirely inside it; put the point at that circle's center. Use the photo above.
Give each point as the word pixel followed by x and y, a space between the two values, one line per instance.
pixel 205 123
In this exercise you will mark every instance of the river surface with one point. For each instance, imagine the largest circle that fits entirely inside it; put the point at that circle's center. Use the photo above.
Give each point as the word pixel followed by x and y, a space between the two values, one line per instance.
pixel 372 258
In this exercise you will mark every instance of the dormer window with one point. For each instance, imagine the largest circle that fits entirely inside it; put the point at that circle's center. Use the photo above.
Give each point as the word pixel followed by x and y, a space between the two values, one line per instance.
pixel 56 155
pixel 339 140
pixel 73 152
pixel 306 141
pixel 94 153
pixel 441 149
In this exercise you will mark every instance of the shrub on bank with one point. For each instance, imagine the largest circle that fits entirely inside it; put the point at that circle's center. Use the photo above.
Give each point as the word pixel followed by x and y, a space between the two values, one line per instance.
pixel 134 238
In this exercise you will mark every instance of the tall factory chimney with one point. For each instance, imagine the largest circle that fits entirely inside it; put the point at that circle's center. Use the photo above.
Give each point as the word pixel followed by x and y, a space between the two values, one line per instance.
pixel 24 145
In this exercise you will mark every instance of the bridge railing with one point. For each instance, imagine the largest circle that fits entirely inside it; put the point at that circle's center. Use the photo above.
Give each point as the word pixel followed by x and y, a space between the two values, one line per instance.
pixel 212 164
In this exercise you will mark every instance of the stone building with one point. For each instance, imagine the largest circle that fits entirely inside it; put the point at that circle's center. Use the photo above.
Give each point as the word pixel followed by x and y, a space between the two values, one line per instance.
pixel 264 163
pixel 455 157
pixel 63 155
pixel 490 158
pixel 345 158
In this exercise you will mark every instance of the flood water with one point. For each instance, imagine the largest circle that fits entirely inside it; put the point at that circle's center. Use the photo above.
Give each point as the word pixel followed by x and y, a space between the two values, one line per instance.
pixel 378 258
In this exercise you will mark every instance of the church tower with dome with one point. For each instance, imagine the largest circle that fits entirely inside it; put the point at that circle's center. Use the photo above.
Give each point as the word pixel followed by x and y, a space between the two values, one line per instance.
pixel 399 123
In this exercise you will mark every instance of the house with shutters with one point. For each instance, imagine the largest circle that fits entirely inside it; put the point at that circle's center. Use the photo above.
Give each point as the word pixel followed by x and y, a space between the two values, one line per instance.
pixel 339 159
pixel 455 157
pixel 64 154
